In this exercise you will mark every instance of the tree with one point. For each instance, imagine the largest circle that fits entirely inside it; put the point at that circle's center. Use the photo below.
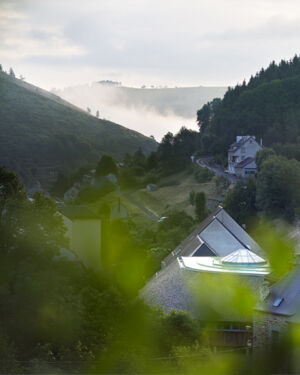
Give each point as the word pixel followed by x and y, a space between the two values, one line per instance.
pixel 152 162
pixel 97 114
pixel 278 188
pixel 106 165
pixel 263 155
pixel 240 201
pixel 200 206
pixel 88 109
pixel 11 72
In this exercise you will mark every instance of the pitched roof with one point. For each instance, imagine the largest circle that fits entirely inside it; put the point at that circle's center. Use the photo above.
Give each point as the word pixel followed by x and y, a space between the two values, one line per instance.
pixel 236 145
pixel 78 212
pixel 245 162
pixel 284 296
pixel 219 233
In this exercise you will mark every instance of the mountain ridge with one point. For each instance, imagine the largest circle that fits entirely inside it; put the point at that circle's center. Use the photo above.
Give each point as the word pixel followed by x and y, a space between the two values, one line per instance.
pixel 42 134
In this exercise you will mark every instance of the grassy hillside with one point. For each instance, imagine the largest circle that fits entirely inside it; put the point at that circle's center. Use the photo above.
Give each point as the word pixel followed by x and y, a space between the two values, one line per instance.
pixel 172 194
pixel 41 135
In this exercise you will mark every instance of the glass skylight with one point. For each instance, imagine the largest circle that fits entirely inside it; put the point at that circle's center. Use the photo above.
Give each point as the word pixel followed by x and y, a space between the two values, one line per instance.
pixel 243 256
pixel 277 301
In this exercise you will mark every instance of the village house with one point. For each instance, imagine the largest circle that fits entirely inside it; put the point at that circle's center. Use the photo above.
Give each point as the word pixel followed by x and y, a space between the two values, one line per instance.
pixel 84 233
pixel 241 156
pixel 279 313
pixel 216 247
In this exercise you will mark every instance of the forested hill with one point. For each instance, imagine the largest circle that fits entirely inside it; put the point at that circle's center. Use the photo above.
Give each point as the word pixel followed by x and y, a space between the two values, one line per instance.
pixel 40 134
pixel 268 106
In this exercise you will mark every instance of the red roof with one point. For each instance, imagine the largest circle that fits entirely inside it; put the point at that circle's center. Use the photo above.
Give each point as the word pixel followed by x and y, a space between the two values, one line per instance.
pixel 244 162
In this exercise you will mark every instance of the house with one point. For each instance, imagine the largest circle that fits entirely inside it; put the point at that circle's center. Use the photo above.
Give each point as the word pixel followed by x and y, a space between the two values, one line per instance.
pixel 244 147
pixel 246 168
pixel 216 247
pixel 279 313
pixel 84 233
pixel 72 193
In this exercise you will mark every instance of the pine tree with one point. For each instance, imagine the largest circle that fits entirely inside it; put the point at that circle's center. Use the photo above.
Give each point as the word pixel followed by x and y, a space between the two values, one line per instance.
pixel 11 72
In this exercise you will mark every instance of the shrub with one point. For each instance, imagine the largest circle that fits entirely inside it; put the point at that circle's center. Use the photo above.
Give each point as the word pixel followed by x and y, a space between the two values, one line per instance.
pixel 203 174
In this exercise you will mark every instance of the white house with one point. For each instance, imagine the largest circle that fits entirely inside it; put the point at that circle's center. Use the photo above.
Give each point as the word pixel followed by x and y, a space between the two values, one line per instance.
pixel 246 168
pixel 244 147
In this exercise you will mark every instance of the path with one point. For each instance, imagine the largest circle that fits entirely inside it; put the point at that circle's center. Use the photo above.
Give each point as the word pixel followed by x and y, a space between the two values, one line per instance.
pixel 151 215
pixel 219 171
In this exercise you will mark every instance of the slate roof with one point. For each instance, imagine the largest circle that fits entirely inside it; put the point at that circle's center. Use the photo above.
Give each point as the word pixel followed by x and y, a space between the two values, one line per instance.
pixel 79 213
pixel 236 145
pixel 284 297
pixel 244 162
pixel 217 235
pixel 220 234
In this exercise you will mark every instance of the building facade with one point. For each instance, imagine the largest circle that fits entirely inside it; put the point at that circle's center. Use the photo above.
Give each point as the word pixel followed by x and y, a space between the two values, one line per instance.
pixel 244 147
pixel 84 233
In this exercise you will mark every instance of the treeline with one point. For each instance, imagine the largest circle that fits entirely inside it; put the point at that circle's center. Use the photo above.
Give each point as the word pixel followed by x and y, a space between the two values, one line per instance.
pixel 267 107
pixel 274 193
pixel 173 155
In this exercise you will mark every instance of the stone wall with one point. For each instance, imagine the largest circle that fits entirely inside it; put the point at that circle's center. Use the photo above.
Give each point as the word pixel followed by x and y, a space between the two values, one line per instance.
pixel 264 324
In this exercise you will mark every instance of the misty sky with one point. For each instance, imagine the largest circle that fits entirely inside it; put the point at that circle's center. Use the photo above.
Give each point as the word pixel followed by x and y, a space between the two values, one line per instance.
pixel 57 43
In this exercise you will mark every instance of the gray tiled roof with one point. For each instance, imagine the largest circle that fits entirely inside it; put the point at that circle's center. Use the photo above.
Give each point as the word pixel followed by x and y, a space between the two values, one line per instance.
pixel 236 145
pixel 224 235
pixel 284 297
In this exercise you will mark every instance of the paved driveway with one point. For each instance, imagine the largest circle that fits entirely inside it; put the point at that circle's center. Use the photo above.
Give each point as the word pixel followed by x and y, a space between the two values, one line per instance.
pixel 219 171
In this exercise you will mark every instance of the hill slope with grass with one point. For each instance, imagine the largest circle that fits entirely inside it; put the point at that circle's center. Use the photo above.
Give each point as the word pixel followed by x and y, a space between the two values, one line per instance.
pixel 41 135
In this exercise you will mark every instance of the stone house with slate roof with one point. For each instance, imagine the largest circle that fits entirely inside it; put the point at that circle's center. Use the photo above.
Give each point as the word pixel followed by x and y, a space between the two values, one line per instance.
pixel 84 233
pixel 244 147
pixel 217 236
pixel 279 313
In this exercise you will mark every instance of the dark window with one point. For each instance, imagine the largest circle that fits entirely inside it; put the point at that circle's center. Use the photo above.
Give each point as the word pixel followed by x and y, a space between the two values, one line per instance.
pixel 203 251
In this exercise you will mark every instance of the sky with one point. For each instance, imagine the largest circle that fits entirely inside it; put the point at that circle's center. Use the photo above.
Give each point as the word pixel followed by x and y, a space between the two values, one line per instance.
pixel 59 43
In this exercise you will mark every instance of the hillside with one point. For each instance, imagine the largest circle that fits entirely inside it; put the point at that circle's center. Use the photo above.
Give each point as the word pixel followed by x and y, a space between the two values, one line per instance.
pixel 267 107
pixel 41 135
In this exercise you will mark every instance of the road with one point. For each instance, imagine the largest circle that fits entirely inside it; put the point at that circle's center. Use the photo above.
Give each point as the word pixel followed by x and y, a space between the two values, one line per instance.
pixel 219 171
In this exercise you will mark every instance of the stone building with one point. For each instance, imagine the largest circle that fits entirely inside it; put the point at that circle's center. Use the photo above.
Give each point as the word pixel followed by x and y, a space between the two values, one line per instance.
pixel 279 313
pixel 196 270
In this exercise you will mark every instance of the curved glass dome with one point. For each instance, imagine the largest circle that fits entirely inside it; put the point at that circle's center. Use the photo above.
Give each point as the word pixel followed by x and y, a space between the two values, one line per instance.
pixel 242 256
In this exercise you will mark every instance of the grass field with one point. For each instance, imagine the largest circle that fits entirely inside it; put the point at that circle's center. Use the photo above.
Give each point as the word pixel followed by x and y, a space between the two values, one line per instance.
pixel 173 193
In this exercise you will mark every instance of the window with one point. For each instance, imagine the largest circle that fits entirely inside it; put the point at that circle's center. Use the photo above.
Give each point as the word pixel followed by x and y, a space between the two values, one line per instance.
pixel 277 301
pixel 243 150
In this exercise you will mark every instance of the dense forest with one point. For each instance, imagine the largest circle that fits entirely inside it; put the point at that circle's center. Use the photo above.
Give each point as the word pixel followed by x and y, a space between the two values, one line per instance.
pixel 41 136
pixel 267 107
